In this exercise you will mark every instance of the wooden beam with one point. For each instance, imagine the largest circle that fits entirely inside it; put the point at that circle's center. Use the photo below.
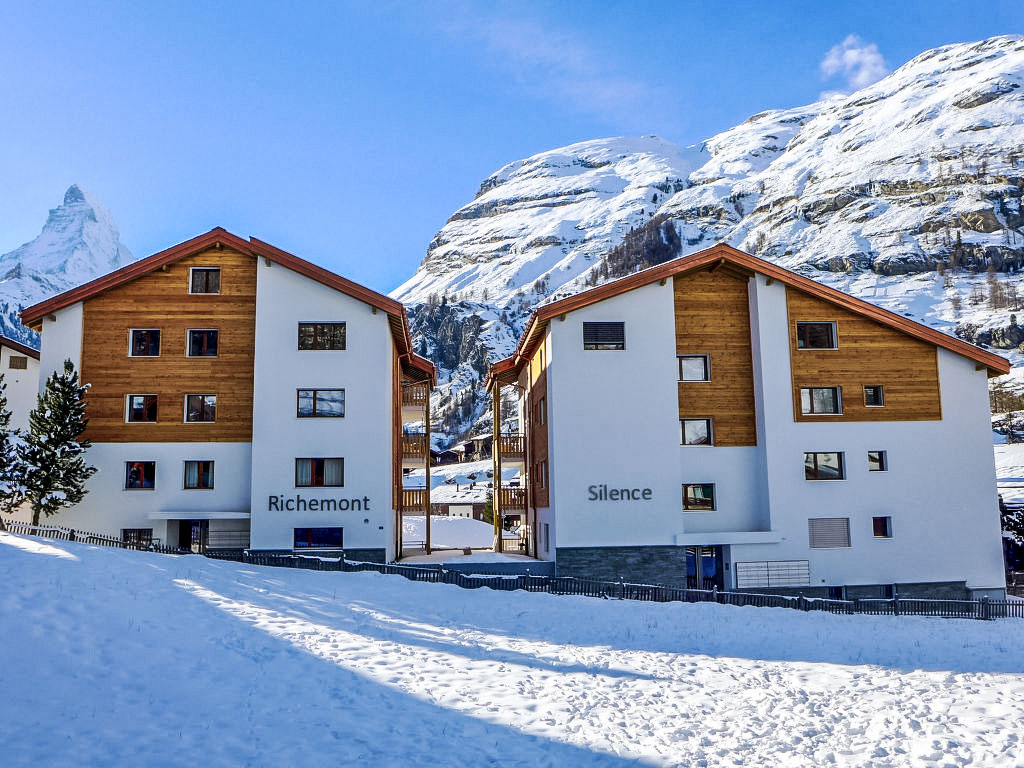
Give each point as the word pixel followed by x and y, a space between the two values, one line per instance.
pixel 769 281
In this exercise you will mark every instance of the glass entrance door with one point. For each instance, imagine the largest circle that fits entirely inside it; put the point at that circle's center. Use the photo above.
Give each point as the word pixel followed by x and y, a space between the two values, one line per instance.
pixel 704 568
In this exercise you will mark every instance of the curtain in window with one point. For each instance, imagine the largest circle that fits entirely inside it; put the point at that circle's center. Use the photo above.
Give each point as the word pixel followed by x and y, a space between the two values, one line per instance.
pixel 191 474
pixel 303 472
pixel 334 471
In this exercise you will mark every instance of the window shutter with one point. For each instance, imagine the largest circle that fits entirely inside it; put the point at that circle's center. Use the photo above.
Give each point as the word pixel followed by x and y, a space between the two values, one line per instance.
pixel 604 335
pixel 829 532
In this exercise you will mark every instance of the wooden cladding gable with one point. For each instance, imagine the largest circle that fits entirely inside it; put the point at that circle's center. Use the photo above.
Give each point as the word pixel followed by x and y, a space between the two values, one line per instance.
pixel 161 299
pixel 537 440
pixel 712 313
pixel 867 353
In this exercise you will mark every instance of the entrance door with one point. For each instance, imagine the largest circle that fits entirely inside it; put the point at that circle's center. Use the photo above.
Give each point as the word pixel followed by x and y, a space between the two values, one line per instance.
pixel 193 535
pixel 704 568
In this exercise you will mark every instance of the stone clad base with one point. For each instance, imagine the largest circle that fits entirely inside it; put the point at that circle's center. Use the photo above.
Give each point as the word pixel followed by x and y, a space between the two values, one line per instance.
pixel 645 565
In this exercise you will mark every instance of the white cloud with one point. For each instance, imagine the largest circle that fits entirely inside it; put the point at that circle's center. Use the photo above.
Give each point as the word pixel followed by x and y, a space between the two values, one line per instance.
pixel 860 63
pixel 556 65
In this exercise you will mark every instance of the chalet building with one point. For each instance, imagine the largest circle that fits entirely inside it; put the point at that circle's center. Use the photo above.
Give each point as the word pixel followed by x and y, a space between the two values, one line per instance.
pixel 242 397
pixel 20 368
pixel 720 421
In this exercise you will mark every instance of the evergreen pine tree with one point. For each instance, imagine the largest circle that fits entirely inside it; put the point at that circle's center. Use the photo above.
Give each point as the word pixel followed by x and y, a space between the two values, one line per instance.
pixel 56 470
pixel 12 465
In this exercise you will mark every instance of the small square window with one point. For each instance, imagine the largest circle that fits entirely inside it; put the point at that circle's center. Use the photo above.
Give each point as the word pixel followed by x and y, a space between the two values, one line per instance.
pixel 821 400
pixel 699 497
pixel 696 431
pixel 140 475
pixel 321 403
pixel 824 466
pixel 874 396
pixel 828 532
pixel 816 336
pixel 694 368
pixel 17 363
pixel 198 475
pixel 141 409
pixel 144 342
pixel 137 536
pixel 204 280
pixel 881 527
pixel 877 461
pixel 202 342
pixel 200 409
pixel 604 335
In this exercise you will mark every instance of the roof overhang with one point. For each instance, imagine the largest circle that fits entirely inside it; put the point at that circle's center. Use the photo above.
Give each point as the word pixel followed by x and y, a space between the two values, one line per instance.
pixel 19 347
pixel 737 264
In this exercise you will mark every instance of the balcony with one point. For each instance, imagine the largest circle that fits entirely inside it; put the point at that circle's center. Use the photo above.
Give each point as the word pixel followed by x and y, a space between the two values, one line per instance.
pixel 414 500
pixel 415 446
pixel 512 499
pixel 416 395
pixel 511 446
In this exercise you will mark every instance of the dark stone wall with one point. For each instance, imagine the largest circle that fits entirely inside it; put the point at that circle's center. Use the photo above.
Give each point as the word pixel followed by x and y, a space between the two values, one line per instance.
pixel 366 555
pixel 650 565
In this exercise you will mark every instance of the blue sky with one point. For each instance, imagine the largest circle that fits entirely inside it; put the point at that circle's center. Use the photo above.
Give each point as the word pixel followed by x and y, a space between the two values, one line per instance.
pixel 348 132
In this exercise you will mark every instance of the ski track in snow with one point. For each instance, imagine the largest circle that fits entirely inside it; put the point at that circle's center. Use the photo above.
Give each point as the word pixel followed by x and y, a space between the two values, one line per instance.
pixel 125 658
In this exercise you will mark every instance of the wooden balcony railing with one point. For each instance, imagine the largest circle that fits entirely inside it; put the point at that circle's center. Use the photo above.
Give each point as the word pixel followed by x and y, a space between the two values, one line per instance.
pixel 511 499
pixel 511 445
pixel 414 446
pixel 414 500
pixel 415 395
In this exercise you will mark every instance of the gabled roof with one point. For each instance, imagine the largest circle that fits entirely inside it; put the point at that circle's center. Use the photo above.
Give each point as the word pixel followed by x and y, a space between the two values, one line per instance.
pixel 18 347
pixel 732 260
pixel 413 365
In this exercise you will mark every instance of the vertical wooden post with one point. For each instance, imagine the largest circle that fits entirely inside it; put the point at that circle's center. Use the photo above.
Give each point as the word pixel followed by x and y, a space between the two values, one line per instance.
pixel 496 465
pixel 426 492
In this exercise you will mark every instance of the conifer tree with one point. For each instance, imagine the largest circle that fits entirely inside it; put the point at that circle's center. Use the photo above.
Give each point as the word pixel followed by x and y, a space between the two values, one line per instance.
pixel 12 464
pixel 56 470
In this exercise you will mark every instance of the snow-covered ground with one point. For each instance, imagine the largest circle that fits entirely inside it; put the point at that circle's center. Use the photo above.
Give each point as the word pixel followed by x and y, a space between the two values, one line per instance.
pixel 451 532
pixel 128 658
pixel 1010 471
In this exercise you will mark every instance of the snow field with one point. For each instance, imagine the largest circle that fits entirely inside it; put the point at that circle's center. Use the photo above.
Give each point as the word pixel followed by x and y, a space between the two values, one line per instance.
pixel 127 658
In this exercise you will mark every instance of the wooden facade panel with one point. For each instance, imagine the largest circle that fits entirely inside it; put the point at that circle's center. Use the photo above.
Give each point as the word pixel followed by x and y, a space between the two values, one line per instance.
pixel 161 299
pixel 868 353
pixel 537 437
pixel 712 313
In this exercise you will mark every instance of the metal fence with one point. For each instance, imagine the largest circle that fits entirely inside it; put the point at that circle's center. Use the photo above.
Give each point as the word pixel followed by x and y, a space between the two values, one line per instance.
pixel 86 537
pixel 620 590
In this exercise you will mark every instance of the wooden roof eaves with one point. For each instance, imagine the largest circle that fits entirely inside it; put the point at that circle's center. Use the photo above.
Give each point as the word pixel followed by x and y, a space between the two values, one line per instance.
pixel 18 347
pixel 744 263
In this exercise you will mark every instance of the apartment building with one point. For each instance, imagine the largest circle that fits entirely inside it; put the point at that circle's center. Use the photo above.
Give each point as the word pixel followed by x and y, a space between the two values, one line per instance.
pixel 241 397
pixel 19 365
pixel 720 421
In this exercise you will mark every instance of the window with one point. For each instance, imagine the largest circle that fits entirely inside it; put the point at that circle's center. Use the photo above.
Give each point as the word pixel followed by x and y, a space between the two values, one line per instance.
pixel 17 363
pixel 877 461
pixel 824 466
pixel 139 475
pixel 828 532
pixel 141 408
pixel 202 343
pixel 198 475
pixel 881 527
pixel 816 336
pixel 874 396
pixel 319 473
pixel 818 400
pixel 544 474
pixel 204 280
pixel 694 368
pixel 321 335
pixel 318 538
pixel 327 403
pixel 144 342
pixel 547 537
pixel 699 498
pixel 200 409
pixel 542 410
pixel 137 536
pixel 604 335
pixel 696 431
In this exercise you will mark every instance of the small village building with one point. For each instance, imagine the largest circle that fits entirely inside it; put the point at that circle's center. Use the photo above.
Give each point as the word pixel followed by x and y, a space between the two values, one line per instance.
pixel 19 365
pixel 719 421
pixel 241 397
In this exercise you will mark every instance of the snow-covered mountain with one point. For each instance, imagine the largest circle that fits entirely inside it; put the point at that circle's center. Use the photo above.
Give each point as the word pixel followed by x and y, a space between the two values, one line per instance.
pixel 78 243
pixel 901 193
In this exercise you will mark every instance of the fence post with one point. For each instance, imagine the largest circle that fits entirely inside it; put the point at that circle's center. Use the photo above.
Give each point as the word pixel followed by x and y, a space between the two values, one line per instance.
pixel 71 535
pixel 895 606
pixel 986 608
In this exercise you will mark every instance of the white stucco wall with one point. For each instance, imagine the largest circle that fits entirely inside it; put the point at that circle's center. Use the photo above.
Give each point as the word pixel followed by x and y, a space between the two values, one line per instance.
pixel 363 437
pixel 61 340
pixel 22 386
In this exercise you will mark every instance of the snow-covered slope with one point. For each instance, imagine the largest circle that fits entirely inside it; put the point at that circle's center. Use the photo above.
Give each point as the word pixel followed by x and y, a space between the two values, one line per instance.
pixel 78 243
pixel 115 658
pixel 867 192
